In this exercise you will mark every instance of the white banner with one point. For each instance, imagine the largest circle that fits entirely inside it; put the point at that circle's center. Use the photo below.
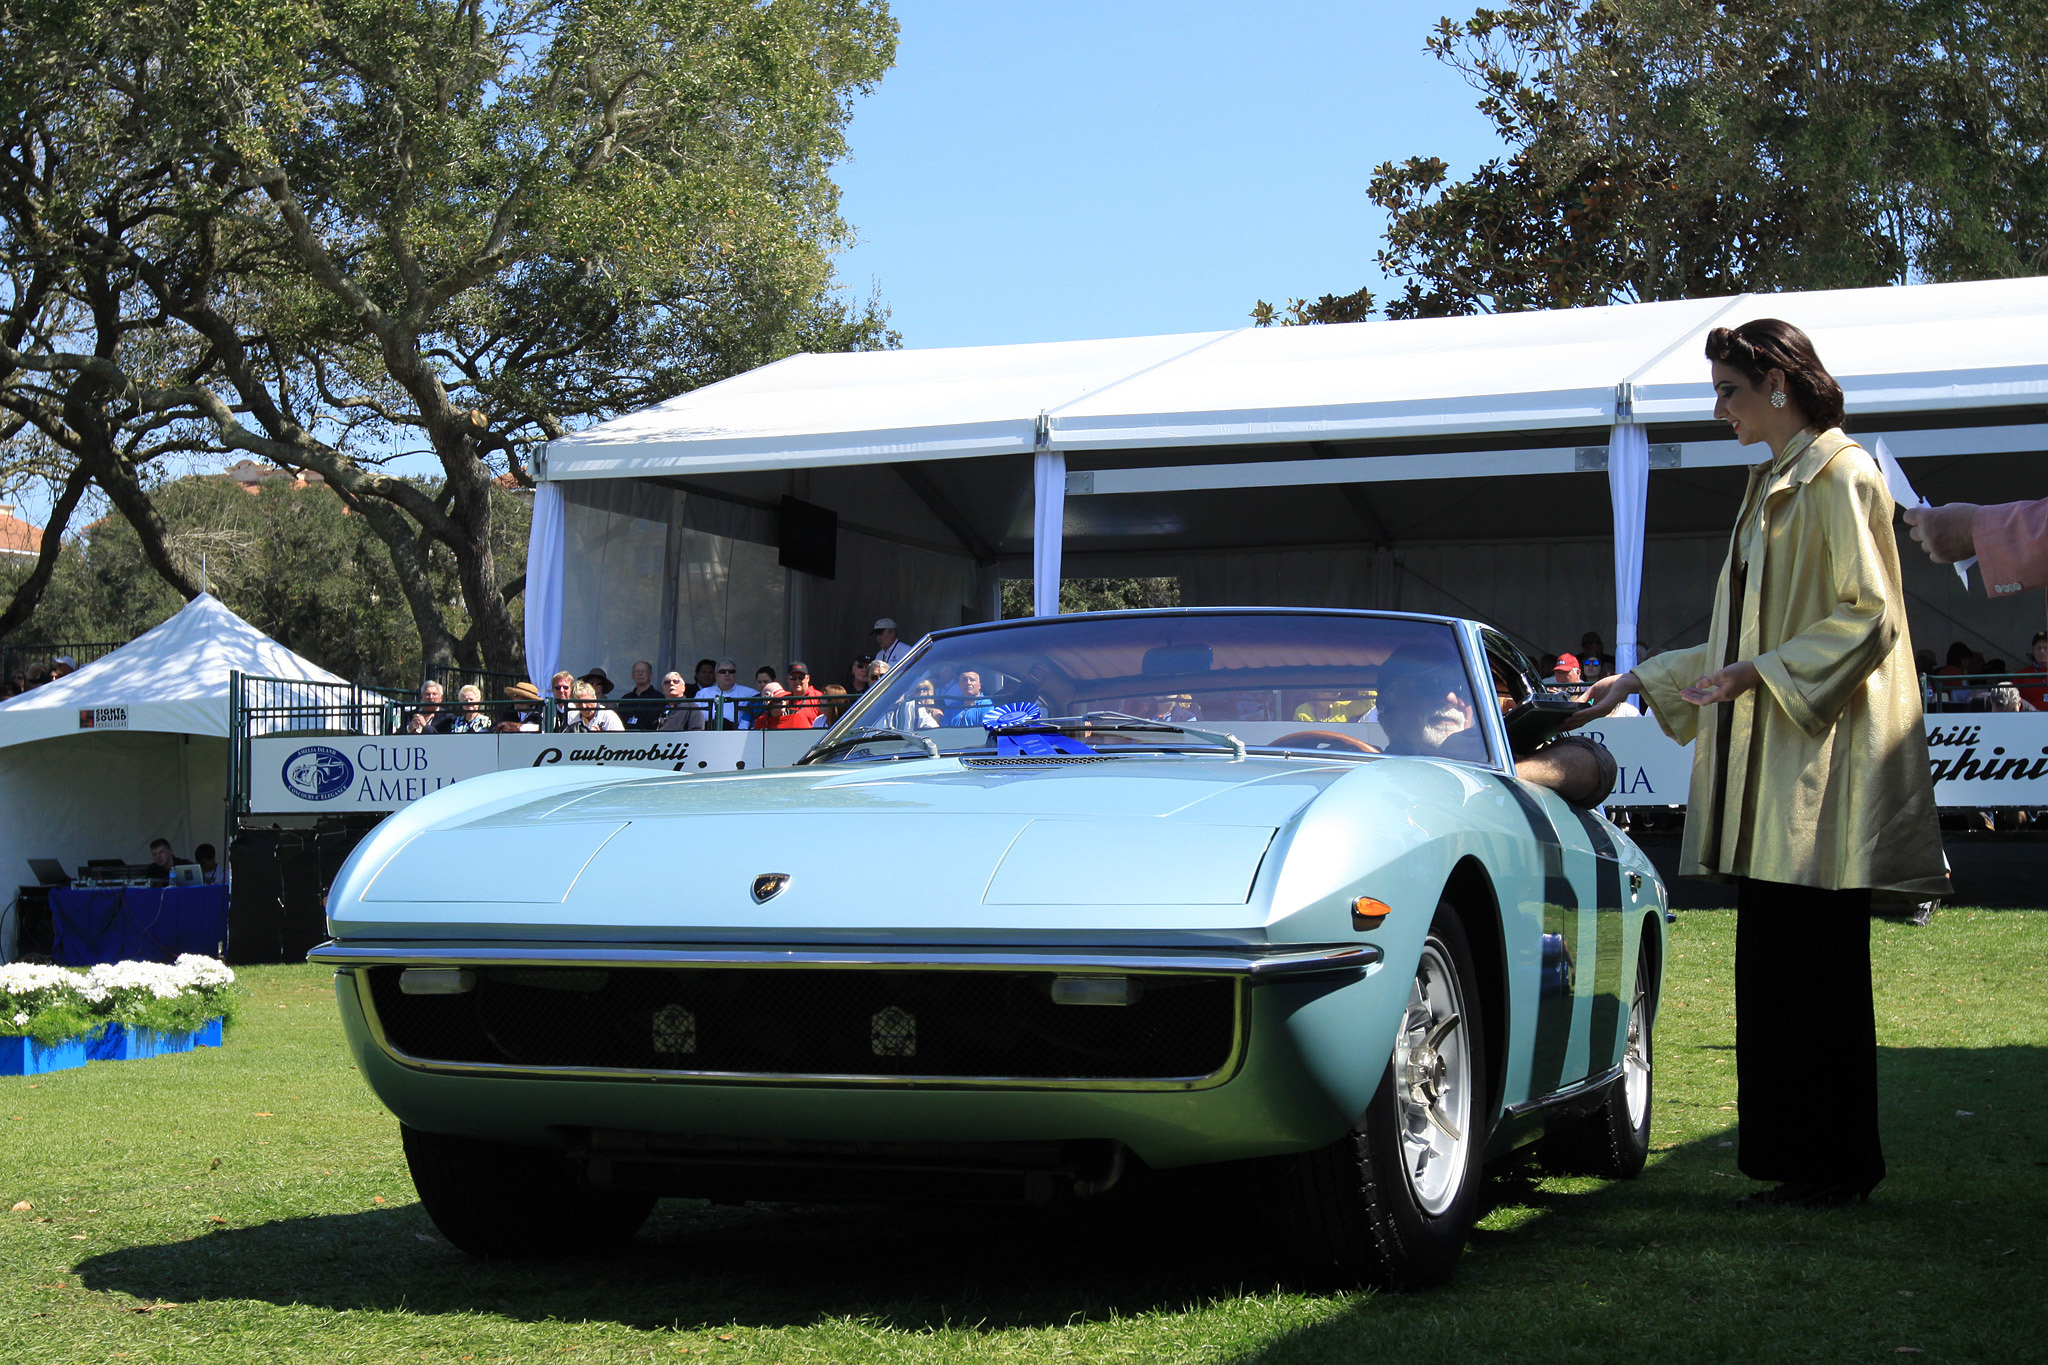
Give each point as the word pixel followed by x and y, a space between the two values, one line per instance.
pixel 1978 760
pixel 1982 759
pixel 686 751
pixel 1651 770
pixel 343 773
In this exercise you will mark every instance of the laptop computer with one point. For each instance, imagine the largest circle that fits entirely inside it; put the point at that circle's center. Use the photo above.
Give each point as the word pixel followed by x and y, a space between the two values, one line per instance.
pixel 187 874
pixel 49 871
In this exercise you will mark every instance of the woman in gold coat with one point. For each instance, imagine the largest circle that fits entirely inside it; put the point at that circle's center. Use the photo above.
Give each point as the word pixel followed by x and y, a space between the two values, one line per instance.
pixel 1810 786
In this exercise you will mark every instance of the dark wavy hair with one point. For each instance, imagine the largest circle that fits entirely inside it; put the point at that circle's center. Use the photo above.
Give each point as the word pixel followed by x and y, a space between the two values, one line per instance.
pixel 1757 348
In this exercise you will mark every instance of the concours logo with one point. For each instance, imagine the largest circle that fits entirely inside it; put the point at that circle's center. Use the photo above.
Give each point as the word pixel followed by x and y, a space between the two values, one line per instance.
pixel 318 773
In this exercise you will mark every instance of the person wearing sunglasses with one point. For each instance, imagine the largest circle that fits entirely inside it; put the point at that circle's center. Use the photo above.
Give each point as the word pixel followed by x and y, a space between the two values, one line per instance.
pixel 1426 710
pixel 805 706
pixel 727 697
pixel 1425 706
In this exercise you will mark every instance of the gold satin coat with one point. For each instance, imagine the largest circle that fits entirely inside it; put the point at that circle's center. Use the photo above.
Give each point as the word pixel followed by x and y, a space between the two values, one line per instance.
pixel 1825 782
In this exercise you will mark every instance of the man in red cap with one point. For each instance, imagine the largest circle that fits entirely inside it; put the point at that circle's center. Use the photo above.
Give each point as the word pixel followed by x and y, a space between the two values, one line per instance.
pixel 1567 672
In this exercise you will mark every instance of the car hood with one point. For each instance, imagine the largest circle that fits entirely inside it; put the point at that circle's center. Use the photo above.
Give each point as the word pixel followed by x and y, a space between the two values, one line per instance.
pixel 923 846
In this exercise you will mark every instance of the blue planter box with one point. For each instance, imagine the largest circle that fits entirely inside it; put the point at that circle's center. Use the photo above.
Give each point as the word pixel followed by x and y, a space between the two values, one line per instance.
pixel 123 1043
pixel 27 1057
pixel 114 1043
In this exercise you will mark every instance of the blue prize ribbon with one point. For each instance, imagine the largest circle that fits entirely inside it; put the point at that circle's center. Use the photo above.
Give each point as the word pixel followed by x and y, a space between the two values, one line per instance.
pixel 1019 731
pixel 1016 713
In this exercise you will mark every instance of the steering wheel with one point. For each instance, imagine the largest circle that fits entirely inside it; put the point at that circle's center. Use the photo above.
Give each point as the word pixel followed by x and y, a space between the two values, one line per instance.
pixel 1323 739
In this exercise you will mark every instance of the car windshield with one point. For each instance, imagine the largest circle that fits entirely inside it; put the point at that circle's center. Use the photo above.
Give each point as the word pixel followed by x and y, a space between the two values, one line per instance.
pixel 1327 682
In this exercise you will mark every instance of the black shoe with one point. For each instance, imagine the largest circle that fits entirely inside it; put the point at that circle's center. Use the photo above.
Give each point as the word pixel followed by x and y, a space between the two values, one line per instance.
pixel 1808 1194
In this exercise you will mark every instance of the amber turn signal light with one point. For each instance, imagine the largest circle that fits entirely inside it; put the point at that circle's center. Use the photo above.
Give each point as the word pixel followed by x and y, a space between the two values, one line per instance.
pixel 1367 913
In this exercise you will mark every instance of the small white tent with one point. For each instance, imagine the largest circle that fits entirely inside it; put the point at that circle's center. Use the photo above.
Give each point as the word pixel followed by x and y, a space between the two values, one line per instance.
pixel 131 747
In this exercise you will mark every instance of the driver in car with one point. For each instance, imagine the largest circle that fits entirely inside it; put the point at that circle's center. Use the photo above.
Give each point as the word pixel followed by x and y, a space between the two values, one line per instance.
pixel 1426 706
pixel 1426 709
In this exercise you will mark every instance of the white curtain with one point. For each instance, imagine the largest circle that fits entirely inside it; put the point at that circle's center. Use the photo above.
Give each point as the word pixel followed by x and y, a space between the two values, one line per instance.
pixel 1628 485
pixel 921 590
pixel 544 563
pixel 731 599
pixel 1048 515
pixel 619 586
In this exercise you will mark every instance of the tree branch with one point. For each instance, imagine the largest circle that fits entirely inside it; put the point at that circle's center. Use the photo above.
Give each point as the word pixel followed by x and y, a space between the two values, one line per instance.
pixel 30 591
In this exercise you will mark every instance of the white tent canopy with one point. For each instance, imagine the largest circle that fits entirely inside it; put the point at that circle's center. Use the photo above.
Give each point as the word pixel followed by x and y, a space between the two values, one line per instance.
pixel 172 679
pixel 1146 451
pixel 1939 346
pixel 131 747
pixel 863 406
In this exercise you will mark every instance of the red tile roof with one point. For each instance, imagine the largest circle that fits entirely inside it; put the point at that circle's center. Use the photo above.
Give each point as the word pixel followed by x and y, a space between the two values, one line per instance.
pixel 17 537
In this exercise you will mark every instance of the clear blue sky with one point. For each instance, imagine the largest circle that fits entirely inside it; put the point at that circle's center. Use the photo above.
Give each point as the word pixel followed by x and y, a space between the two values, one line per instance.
pixel 1088 168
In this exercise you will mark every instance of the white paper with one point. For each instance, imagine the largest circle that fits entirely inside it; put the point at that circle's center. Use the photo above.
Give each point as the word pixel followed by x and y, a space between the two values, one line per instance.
pixel 1895 477
pixel 1904 495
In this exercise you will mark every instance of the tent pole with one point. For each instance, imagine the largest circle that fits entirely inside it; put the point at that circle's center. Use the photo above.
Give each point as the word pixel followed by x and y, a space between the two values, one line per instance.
pixel 1048 515
pixel 1628 487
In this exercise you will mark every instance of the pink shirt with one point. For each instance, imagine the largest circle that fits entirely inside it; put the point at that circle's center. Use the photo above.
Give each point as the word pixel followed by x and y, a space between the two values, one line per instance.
pixel 2012 546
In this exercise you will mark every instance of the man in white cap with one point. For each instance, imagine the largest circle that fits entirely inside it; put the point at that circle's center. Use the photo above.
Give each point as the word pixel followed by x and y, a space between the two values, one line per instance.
pixel 888 649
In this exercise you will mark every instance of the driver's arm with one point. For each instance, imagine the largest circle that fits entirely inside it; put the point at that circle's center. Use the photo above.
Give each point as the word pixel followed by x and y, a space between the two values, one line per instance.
pixel 1574 766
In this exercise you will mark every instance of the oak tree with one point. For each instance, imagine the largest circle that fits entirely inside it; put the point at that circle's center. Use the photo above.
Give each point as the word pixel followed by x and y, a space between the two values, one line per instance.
pixel 1662 149
pixel 381 227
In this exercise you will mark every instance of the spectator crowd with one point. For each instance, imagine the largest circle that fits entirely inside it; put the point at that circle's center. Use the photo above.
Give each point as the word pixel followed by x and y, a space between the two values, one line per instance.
pixel 27 679
pixel 1967 681
pixel 712 697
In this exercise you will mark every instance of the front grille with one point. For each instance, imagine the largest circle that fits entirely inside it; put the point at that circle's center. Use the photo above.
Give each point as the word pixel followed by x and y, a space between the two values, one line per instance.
pixel 1035 760
pixel 814 1022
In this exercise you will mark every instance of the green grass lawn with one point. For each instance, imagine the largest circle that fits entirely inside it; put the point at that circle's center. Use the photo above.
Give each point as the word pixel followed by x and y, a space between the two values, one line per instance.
pixel 251 1204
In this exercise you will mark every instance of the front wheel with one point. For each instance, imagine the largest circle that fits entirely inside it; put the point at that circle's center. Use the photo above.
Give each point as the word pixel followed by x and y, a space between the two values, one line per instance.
pixel 498 1201
pixel 1613 1141
pixel 1391 1202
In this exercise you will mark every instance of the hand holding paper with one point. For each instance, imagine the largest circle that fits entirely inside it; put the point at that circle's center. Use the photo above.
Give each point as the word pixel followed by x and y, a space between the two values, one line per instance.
pixel 1903 494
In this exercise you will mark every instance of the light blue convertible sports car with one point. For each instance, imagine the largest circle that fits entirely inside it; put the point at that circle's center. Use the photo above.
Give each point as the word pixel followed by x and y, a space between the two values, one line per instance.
pixel 1059 902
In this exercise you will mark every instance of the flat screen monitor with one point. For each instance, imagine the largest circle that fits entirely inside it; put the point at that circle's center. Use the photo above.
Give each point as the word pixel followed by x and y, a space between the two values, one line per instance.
pixel 808 538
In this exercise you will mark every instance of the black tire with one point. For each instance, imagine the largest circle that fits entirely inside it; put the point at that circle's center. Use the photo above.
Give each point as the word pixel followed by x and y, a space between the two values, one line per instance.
pixel 1613 1141
pixel 1355 1209
pixel 501 1202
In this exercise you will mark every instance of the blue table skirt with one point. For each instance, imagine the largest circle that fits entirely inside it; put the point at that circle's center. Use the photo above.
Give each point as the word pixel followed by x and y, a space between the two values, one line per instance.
pixel 138 923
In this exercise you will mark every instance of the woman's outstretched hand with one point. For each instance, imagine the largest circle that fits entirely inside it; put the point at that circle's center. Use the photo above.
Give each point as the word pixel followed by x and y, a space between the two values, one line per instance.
pixel 1730 683
pixel 1604 696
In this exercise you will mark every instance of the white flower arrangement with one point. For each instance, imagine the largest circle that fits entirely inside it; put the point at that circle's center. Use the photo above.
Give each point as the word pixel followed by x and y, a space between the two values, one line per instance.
pixel 51 1004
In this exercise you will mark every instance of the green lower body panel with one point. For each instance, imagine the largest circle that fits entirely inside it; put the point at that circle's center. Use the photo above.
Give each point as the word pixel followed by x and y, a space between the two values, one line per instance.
pixel 1309 1057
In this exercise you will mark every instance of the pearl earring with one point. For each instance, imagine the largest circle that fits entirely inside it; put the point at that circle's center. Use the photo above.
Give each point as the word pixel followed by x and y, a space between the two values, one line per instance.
pixel 1777 398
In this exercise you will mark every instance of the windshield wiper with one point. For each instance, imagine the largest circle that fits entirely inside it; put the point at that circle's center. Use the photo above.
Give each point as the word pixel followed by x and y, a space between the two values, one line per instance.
pixel 868 735
pixel 1117 720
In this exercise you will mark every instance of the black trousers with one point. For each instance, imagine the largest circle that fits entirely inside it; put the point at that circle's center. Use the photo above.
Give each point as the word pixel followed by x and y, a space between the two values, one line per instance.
pixel 1805 1035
